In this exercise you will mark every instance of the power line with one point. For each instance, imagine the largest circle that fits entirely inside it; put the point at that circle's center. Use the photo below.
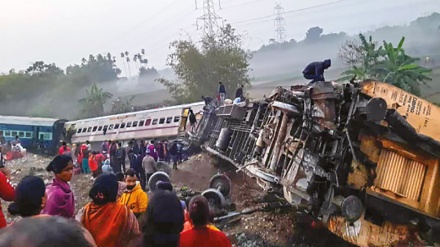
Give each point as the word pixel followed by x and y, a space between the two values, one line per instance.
pixel 139 24
pixel 242 4
pixel 286 16
pixel 160 29
pixel 280 31
pixel 290 11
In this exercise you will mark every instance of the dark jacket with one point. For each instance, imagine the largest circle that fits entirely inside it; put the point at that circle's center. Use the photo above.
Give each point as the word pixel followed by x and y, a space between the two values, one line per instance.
pixel 315 70
pixel 222 89
pixel 239 92
pixel 192 118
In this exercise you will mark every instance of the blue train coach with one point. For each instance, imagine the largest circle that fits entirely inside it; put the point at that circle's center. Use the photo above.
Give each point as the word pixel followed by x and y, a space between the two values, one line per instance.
pixel 43 134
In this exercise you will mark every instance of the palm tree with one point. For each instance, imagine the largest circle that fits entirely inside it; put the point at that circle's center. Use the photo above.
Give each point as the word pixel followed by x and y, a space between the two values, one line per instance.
pixel 128 65
pixel 123 62
pixel 401 70
pixel 93 103
pixel 136 60
pixel 389 64
pixel 369 57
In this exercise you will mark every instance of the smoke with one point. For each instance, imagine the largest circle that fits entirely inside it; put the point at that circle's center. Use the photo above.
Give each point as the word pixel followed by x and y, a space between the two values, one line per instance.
pixel 287 60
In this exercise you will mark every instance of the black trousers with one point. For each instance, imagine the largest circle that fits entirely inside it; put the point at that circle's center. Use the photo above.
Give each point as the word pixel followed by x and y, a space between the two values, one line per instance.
pixel 122 165
pixel 142 179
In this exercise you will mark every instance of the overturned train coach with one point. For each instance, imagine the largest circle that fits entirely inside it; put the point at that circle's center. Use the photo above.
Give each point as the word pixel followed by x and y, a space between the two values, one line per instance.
pixel 362 158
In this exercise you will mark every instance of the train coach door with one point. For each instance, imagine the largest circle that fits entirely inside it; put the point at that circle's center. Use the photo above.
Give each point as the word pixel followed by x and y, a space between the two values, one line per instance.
pixel 183 121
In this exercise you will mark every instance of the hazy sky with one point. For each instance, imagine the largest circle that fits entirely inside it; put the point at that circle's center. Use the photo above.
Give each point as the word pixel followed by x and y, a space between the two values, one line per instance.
pixel 63 32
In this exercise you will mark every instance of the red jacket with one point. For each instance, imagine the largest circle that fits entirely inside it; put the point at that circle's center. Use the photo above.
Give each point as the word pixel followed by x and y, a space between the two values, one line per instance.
pixel 7 193
pixel 61 150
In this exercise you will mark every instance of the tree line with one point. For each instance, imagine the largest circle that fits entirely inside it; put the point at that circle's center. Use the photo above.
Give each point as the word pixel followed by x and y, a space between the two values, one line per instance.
pixel 80 90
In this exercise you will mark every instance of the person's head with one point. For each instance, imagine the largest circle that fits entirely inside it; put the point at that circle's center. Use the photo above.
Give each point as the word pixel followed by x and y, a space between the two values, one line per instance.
pixel 242 85
pixel 87 142
pixel 162 223
pixel 199 210
pixel 62 167
pixel 46 231
pixel 327 63
pixel 161 185
pixel 131 179
pixel 220 83
pixel 104 189
pixel 30 197
pixel 152 141
pixel 119 176
pixel 90 154
pixel 64 144
pixel 203 97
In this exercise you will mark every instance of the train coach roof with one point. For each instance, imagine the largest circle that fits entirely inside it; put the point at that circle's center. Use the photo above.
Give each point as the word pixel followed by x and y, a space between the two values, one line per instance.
pixel 137 112
pixel 35 121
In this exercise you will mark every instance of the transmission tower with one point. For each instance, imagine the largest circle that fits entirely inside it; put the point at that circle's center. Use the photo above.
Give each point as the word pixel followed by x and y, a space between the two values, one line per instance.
pixel 209 17
pixel 280 32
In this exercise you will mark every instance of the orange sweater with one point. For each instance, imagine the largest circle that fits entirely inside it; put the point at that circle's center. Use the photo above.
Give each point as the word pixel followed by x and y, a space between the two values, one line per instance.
pixel 93 164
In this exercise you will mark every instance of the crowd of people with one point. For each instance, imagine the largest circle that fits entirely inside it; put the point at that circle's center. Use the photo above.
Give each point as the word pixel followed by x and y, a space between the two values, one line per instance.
pixel 112 157
pixel 123 210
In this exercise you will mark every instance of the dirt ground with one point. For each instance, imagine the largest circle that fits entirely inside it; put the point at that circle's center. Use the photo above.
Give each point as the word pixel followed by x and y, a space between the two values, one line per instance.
pixel 273 229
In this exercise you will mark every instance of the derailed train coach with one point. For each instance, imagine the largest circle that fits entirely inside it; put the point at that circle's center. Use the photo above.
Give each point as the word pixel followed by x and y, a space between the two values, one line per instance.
pixel 363 158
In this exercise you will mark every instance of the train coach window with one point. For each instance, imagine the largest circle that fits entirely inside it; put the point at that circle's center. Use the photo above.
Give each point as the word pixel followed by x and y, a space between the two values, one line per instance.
pixel 7 133
pixel 84 130
pixel 135 124
pixel 117 126
pixel 154 121
pixel 162 120
pixel 94 128
pixel 47 136
pixel 110 127
pixel 148 122
pixel 169 120
pixel 141 123
pixel 78 131
pixel 99 128
pixel 128 124
pixel 89 129
pixel 122 125
pixel 21 134
pixel 28 134
pixel 14 133
pixel 176 119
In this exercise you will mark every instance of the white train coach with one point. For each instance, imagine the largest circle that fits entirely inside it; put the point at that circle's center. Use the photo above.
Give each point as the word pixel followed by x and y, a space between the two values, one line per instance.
pixel 166 122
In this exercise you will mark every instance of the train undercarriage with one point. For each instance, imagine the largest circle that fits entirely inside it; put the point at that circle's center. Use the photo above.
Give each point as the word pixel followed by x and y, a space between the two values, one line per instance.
pixel 361 157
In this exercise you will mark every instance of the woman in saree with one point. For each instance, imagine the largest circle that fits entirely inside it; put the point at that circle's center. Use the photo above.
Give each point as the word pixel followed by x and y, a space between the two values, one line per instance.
pixel 110 222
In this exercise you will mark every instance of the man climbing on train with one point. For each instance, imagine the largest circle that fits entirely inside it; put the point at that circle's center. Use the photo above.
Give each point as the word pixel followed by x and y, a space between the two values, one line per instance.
pixel 315 71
